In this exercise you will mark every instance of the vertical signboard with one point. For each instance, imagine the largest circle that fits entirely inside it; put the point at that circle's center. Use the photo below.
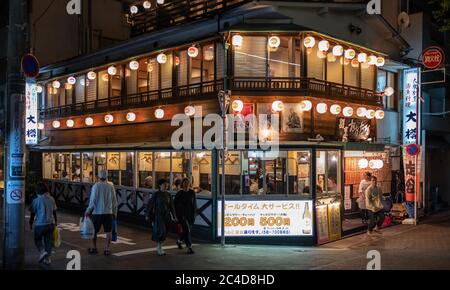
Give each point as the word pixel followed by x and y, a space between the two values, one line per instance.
pixel 31 126
pixel 411 80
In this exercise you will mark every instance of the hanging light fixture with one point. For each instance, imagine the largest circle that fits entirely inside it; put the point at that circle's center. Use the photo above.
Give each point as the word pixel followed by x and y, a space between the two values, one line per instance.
pixel 362 57
pixel 321 108
pixel 91 75
pixel 335 109
pixel 131 117
pixel 388 91
pixel 237 106
pixel 109 118
pixel 134 9
pixel 350 53
pixel 237 40
pixel 372 60
pixel 306 105
pixel 161 58
pixel 370 114
pixel 347 111
pixel 338 50
pixel 363 163
pixel 331 57
pixel 355 63
pixel 70 123
pixel 112 70
pixel 41 126
pixel 189 111
pixel 134 65
pixel 160 2
pixel 274 42
pixel 56 124
pixel 379 114
pixel 56 84
pixel 71 80
pixel 361 112
pixel 193 51
pixel 89 121
pixel 39 89
pixel 309 42
pixel 159 113
pixel 277 106
pixel 147 4
pixel 324 45
pixel 380 61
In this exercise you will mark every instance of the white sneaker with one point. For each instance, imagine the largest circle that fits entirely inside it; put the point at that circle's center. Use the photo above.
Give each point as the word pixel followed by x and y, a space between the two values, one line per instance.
pixel 47 261
pixel 42 256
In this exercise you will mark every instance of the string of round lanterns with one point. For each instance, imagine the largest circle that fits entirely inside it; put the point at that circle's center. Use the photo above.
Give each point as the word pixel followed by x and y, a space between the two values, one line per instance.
pixel 131 117
pixel 71 80
pixel 277 106
pixel 274 42
pixel 89 121
pixel 159 113
pixel 109 119
pixel 237 106
pixel 70 123
pixel 161 58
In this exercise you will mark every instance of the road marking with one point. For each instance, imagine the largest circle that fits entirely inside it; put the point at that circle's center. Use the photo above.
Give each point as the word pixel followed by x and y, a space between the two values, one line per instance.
pixel 148 250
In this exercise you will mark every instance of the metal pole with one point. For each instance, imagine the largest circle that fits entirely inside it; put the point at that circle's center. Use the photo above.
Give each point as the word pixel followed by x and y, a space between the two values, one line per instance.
pixel 14 207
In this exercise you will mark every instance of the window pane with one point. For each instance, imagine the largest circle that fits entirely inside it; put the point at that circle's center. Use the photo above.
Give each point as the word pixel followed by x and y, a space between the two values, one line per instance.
pixel 208 62
pixel 166 72
pixel 195 68
pixel 76 167
pixel 333 172
pixel 131 81
pixel 162 165
pixel 232 172
pixel 146 169
pixel 143 76
pixel 113 166
pixel 351 75
pixel 181 168
pixel 275 174
pixel 153 69
pixel 48 165
pixel 334 70
pixel 88 167
pixel 320 172
pixel 62 168
pixel 103 85
pixel 99 163
pixel 250 59
pixel 299 166
pixel 296 69
pixel 279 59
pixel 220 57
pixel 127 168
pixel 116 83
pixel 70 89
pixel 91 89
pixel 381 80
pixel 315 65
pixel 79 89
pixel 368 77
pixel 201 172
pixel 183 68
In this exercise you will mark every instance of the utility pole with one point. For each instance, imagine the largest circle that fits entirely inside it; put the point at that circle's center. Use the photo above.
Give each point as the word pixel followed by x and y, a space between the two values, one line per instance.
pixel 14 207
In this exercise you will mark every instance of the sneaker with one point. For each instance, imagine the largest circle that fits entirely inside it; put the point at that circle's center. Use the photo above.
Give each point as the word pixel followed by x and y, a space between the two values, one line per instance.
pixel 42 256
pixel 179 244
pixel 190 251
pixel 161 253
pixel 47 261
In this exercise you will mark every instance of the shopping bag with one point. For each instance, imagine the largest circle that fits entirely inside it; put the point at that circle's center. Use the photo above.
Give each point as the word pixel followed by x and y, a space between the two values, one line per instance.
pixel 87 230
pixel 387 221
pixel 114 230
pixel 56 237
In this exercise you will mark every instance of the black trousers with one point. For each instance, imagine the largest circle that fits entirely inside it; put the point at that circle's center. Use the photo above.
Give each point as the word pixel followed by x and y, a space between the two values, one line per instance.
pixel 186 235
pixel 375 219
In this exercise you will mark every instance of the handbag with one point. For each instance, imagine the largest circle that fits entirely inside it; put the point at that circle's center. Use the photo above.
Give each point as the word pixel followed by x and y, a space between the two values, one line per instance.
pixel 56 237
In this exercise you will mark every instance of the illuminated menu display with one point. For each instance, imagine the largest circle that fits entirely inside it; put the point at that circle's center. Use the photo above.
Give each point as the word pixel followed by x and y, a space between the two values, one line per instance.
pixel 266 218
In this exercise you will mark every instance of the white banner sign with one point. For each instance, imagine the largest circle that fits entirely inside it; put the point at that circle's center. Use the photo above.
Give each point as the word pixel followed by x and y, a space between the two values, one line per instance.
pixel 410 105
pixel 15 194
pixel 31 113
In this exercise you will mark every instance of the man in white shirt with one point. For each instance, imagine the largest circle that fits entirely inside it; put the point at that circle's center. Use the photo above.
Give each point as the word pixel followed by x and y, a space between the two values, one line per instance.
pixel 102 209
pixel 363 185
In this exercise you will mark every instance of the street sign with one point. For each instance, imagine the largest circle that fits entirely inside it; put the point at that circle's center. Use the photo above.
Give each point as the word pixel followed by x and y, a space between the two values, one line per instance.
pixel 15 194
pixel 30 66
pixel 433 57
pixel 17 165
pixel 413 149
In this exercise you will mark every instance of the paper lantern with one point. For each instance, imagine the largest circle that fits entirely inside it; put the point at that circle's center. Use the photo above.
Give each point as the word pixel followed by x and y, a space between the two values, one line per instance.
pixel 189 111
pixel 338 50
pixel 370 114
pixel 274 42
pixel 363 163
pixel 277 106
pixel 324 45
pixel 89 121
pixel 105 78
pixel 237 40
pixel 355 63
pixel 306 105
pixel 335 109
pixel 322 108
pixel 91 75
pixel 56 84
pixel 109 118
pixel 159 113
pixel 372 60
pixel 147 4
pixel 379 114
pixel 361 112
pixel 161 58
pixel 309 42
pixel 331 57
pixel 134 65
pixel 134 9
pixel 56 124
pixel 350 53
pixel 70 123
pixel 193 51
pixel 131 117
pixel 71 80
pixel 237 106
pixel 112 70
pixel 160 2
pixel 347 111
pixel 362 57
pixel 39 89
pixel 380 61
pixel 389 91
pixel 41 126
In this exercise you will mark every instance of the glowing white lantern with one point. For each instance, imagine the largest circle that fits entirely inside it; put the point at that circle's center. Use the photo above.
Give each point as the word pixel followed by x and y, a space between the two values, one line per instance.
pixel 379 114
pixel 335 109
pixel 389 91
pixel 379 164
pixel 306 105
pixel 237 106
pixel 39 89
pixel 91 75
pixel 380 61
pixel 350 53
pixel 160 2
pixel 331 57
pixel 89 121
pixel 370 114
pixel 147 4
pixel 277 106
pixel 237 40
pixel 324 45
pixel 134 9
pixel 56 84
pixel 363 163
pixel 161 58
pixel 131 117
pixel 41 126
pixel 355 63
pixel 321 54
pixel 338 50
pixel 193 51
pixel 189 111
pixel 208 53
pixel 361 112
pixel 105 78
pixel 321 108
pixel 159 113
pixel 112 70
pixel 56 124
pixel 372 60
pixel 309 42
pixel 109 118
pixel 71 80
pixel 347 111
pixel 70 123
pixel 362 57
pixel 134 65
pixel 274 42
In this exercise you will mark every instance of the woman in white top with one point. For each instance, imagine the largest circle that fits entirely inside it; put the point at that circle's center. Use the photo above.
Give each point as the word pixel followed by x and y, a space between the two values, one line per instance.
pixel 363 185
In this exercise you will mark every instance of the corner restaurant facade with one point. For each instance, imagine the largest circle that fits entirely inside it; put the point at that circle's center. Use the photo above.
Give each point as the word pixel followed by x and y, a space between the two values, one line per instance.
pixel 112 110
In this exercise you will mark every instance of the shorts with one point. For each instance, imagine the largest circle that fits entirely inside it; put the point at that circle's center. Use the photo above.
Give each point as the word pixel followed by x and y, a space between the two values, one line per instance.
pixel 104 220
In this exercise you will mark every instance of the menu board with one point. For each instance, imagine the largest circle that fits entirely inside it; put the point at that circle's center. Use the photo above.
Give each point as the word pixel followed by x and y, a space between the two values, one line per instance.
pixel 334 221
pixel 322 224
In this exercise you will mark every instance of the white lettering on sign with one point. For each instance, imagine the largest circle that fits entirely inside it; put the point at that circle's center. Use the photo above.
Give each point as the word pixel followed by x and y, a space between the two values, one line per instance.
pixel 15 192
pixel 31 113
pixel 374 7
pixel 74 7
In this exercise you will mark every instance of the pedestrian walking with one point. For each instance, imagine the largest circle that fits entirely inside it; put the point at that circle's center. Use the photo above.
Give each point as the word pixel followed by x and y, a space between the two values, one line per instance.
pixel 363 185
pixel 43 214
pixel 102 210
pixel 160 212
pixel 186 210
pixel 374 207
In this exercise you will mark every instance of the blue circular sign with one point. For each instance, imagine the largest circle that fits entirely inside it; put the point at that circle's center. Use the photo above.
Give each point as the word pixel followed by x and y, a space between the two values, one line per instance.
pixel 412 149
pixel 30 66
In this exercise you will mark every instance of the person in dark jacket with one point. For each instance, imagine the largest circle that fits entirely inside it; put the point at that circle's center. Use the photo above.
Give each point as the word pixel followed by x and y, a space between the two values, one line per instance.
pixel 160 212
pixel 186 209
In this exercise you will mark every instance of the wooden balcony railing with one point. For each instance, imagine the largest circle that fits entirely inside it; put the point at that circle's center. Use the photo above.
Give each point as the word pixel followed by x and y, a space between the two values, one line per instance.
pixel 239 86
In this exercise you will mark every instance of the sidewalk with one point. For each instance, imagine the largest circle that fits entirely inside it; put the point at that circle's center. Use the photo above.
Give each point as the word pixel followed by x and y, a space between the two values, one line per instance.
pixel 426 246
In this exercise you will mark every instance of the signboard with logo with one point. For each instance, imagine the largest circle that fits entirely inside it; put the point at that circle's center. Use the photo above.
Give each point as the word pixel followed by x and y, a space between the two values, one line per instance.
pixel 411 86
pixel 31 113
pixel 433 57
pixel 15 192
pixel 266 218
pixel 411 164
pixel 353 129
